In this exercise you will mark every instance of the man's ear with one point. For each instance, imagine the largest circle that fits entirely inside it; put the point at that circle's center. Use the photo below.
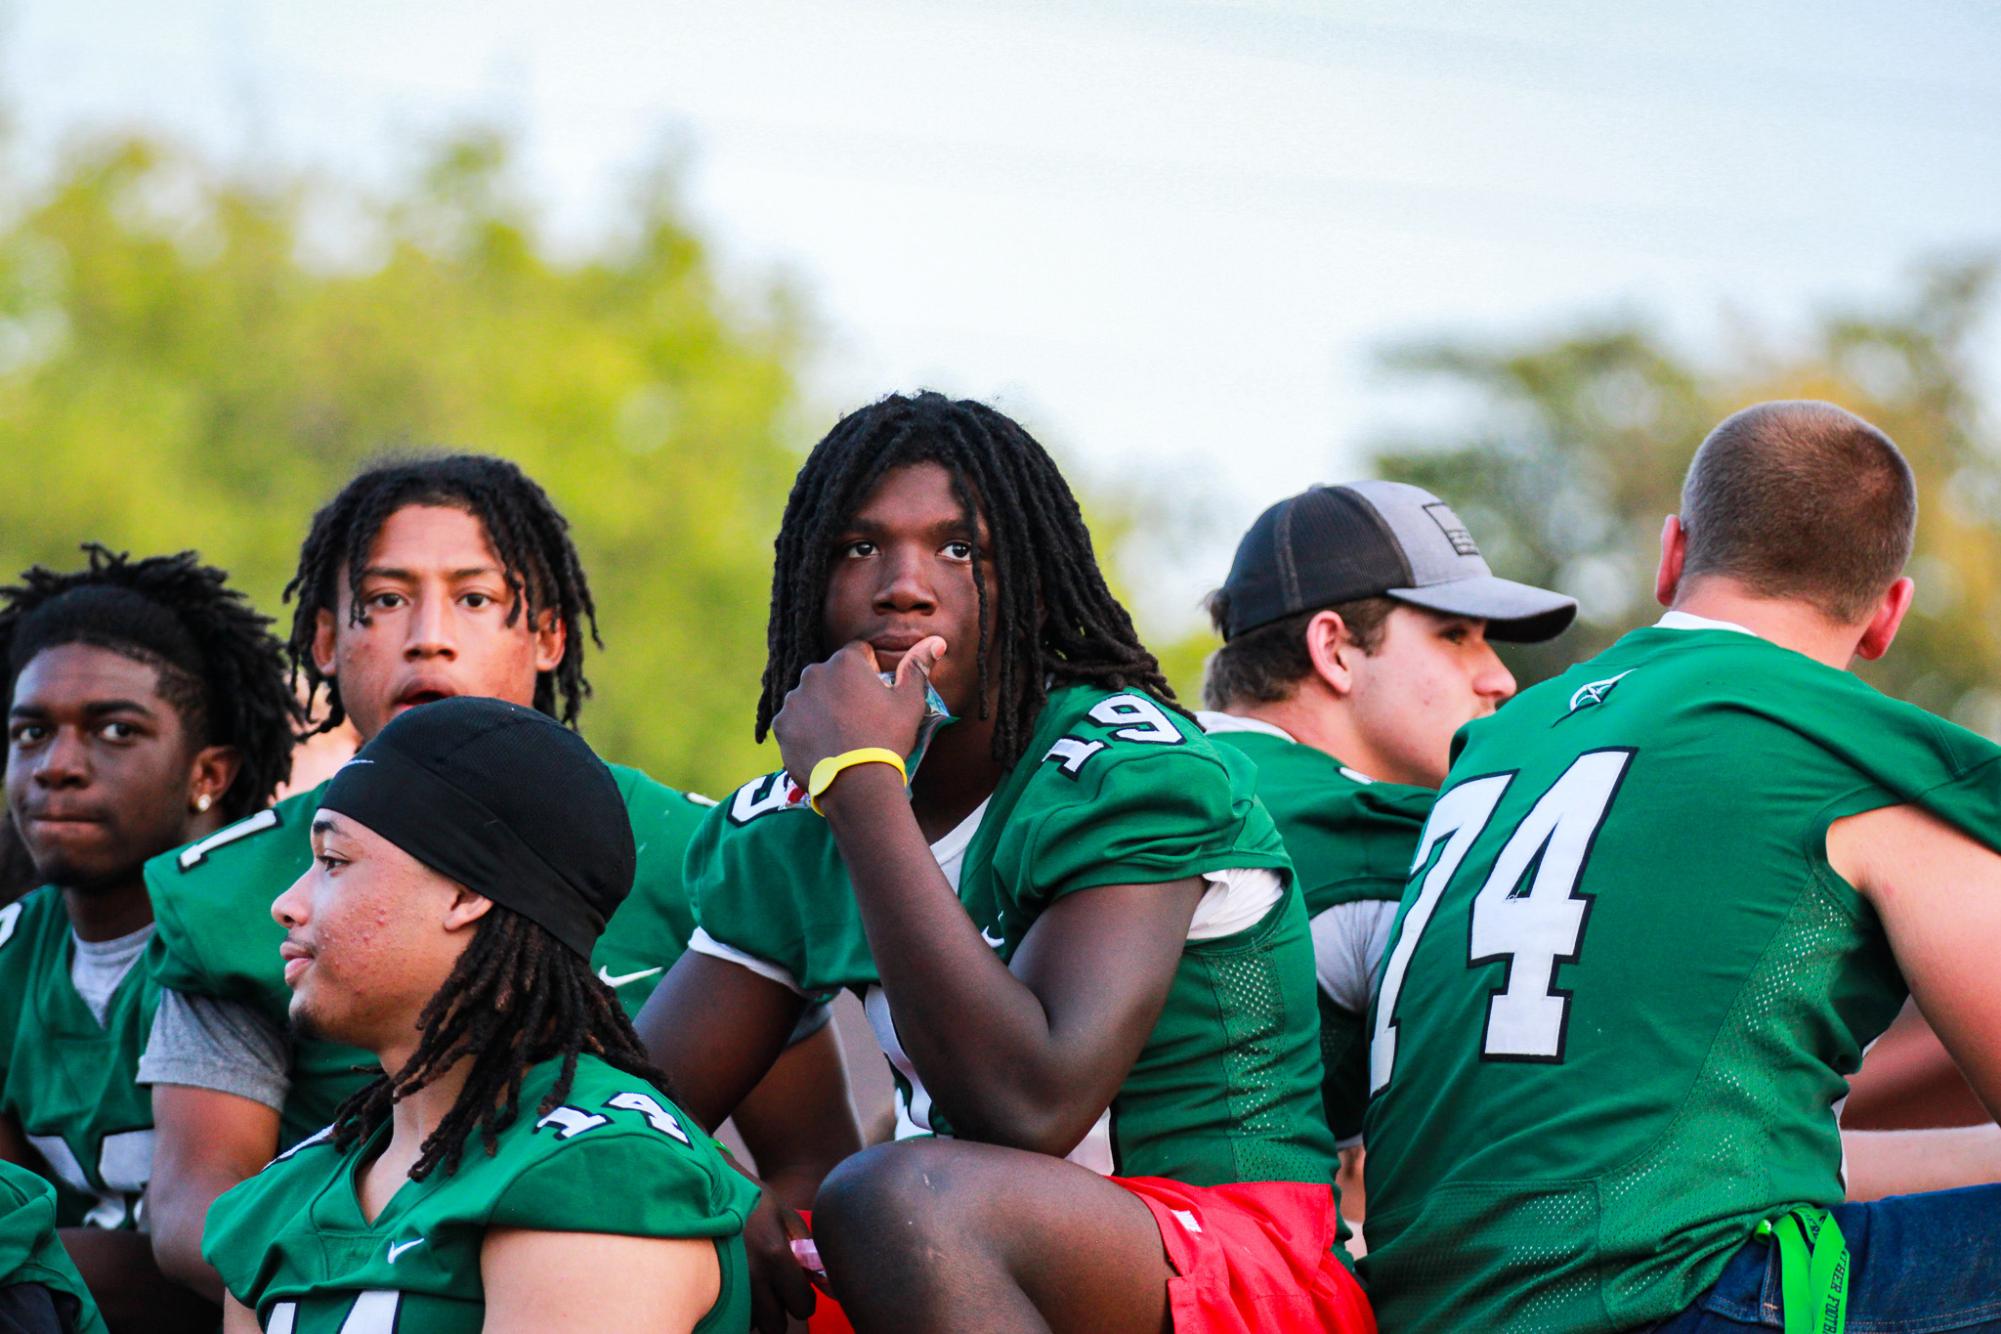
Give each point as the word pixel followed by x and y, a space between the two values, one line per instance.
pixel 465 908
pixel 1875 641
pixel 213 769
pixel 323 642
pixel 550 640
pixel 1674 551
pixel 1328 644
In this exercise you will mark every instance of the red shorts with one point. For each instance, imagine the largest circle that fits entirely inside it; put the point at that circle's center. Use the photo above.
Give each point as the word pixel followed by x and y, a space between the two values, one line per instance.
pixel 1251 1257
pixel 827 1317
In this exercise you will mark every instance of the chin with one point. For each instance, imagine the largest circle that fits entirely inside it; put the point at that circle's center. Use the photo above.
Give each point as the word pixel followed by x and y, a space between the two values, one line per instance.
pixel 308 1025
pixel 63 866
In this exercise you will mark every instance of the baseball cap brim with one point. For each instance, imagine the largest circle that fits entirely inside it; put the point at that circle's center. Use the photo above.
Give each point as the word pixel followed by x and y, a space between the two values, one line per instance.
pixel 1515 613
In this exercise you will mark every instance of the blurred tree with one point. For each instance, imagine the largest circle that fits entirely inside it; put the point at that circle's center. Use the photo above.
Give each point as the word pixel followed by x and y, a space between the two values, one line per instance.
pixel 191 358
pixel 1576 444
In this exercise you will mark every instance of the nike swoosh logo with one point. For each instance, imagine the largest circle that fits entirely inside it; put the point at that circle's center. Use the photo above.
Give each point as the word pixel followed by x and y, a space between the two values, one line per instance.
pixel 616 980
pixel 396 1250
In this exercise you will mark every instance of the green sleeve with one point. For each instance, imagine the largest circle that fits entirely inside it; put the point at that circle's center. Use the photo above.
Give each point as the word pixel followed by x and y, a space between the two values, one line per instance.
pixel 1896 753
pixel 29 1250
pixel 1352 845
pixel 1134 813
pixel 212 900
pixel 651 928
pixel 768 884
pixel 629 1182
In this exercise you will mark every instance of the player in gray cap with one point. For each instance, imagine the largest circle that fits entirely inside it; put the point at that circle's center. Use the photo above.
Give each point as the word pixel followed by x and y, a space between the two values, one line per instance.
pixel 1355 622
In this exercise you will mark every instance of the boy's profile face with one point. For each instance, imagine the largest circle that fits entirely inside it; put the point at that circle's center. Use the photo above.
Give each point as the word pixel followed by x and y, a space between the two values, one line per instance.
pixel 371 933
pixel 436 605
pixel 902 569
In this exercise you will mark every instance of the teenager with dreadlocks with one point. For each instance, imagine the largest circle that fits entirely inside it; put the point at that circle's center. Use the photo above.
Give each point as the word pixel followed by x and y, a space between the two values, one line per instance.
pixel 421 580
pixel 516 1137
pixel 146 705
pixel 1072 925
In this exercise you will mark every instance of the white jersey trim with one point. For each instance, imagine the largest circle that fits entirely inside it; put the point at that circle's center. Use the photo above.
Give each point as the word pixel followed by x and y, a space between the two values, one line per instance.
pixel 1212 721
pixel 704 943
pixel 1687 620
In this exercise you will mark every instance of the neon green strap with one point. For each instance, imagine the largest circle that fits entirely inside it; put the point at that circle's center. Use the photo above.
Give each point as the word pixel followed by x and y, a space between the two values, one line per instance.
pixel 1813 1270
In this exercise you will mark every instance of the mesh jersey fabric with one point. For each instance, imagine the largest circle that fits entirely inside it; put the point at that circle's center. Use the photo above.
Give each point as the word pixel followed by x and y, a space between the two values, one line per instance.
pixel 216 937
pixel 1351 841
pixel 1625 987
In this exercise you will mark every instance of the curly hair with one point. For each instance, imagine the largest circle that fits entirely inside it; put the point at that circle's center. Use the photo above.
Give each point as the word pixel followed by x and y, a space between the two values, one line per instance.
pixel 528 532
pixel 218 664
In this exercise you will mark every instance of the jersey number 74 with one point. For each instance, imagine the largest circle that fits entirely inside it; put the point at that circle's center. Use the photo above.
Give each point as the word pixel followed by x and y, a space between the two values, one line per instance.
pixel 1527 914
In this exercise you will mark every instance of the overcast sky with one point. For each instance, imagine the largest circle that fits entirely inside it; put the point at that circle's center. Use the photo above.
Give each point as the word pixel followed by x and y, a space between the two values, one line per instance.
pixel 1168 234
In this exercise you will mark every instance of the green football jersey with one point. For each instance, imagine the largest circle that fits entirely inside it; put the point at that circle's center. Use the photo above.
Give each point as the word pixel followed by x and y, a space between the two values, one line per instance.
pixel 616 1157
pixel 29 1250
pixel 1113 789
pixel 1351 840
pixel 212 902
pixel 67 1081
pixel 1625 987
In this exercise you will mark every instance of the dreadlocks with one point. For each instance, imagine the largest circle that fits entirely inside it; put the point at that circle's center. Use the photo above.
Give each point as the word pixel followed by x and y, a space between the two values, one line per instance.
pixel 528 532
pixel 516 997
pixel 1053 621
pixel 218 664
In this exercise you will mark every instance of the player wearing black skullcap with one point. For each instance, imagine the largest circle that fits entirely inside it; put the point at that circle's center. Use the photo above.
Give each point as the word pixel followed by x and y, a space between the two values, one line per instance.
pixel 421 580
pixel 445 929
pixel 147 705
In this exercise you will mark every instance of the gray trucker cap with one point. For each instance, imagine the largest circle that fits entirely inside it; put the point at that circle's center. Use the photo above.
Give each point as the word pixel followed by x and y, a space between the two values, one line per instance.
pixel 1333 544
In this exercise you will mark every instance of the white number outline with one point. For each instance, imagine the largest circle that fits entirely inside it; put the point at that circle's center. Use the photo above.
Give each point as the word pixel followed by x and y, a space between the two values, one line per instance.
pixel 761 796
pixel 1137 719
pixel 1465 819
pixel 1457 818
pixel 1548 845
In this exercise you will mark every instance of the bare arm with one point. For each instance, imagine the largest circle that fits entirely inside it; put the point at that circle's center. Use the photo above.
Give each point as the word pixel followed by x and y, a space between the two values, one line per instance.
pixel 237 1318
pixel 130 1290
pixel 1028 1055
pixel 204 1143
pixel 636 1283
pixel 799 1121
pixel 1938 894
pixel 1025 1054
pixel 1905 1162
pixel 715 1029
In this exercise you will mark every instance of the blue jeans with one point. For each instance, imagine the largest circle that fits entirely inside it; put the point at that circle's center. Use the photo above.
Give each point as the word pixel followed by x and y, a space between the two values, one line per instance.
pixel 1919 1264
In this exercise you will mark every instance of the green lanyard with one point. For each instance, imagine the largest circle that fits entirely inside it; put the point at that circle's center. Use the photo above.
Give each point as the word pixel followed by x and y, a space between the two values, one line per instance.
pixel 1813 1270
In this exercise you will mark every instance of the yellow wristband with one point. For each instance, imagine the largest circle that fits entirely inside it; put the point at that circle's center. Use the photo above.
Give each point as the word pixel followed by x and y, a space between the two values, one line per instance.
pixel 827 770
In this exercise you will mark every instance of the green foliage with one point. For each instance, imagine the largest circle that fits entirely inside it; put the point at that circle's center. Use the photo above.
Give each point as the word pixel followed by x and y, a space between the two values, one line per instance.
pixel 1578 444
pixel 177 370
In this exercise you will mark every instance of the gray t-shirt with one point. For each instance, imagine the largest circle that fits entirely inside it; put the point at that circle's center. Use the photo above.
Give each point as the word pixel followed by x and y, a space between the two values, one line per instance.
pixel 96 967
pixel 215 1044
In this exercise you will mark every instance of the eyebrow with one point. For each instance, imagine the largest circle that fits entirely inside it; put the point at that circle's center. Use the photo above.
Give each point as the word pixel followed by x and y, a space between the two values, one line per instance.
pixel 411 576
pixel 97 708
pixel 944 528
pixel 325 825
